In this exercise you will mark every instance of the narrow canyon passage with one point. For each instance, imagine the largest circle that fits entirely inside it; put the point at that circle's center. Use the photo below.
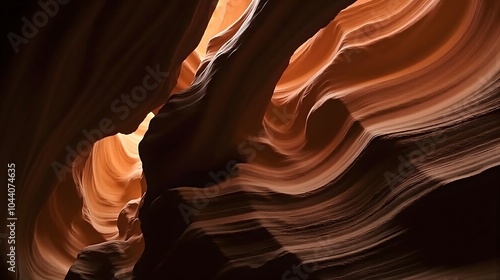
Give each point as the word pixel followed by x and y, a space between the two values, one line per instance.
pixel 264 139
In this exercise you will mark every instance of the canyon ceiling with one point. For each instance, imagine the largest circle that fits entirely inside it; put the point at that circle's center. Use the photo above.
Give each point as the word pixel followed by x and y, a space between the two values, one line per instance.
pixel 263 139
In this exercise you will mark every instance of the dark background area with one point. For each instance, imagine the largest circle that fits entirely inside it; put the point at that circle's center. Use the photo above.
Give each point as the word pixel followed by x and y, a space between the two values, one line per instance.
pixel 11 12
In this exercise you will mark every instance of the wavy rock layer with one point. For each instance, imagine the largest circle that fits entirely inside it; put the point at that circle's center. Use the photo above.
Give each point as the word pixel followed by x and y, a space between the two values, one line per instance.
pixel 354 138
pixel 290 146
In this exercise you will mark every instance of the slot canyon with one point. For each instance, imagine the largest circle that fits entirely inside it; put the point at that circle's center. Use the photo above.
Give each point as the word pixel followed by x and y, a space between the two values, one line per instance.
pixel 250 139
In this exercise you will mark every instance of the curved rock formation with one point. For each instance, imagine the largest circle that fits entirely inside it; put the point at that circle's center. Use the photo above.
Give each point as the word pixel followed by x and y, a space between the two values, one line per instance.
pixel 308 140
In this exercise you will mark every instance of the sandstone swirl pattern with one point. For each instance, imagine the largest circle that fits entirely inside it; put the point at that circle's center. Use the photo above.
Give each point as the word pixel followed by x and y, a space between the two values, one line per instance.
pixel 290 145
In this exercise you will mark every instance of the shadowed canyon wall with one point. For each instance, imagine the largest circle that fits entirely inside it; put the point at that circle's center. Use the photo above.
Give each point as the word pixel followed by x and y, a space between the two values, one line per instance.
pixel 264 139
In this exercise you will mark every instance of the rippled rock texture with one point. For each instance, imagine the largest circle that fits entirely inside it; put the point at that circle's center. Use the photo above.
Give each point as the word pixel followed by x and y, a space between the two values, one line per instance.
pixel 264 139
